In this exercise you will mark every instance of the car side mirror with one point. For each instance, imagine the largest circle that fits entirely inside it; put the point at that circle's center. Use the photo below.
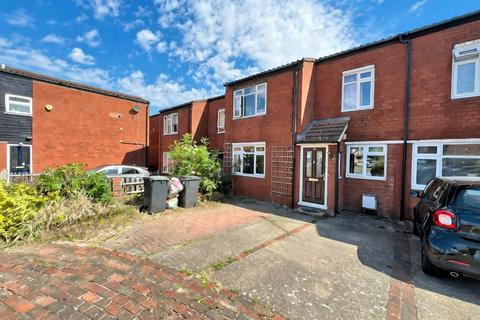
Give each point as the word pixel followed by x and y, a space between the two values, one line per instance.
pixel 416 194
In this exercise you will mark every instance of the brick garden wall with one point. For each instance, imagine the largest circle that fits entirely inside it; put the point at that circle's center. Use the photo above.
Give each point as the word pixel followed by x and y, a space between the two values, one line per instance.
pixel 87 128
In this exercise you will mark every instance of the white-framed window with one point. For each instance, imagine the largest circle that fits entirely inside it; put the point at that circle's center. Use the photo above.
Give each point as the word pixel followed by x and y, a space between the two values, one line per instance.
pixel 432 160
pixel 221 121
pixel 170 123
pixel 251 101
pixel 168 163
pixel 466 70
pixel 249 159
pixel 367 161
pixel 358 88
pixel 18 105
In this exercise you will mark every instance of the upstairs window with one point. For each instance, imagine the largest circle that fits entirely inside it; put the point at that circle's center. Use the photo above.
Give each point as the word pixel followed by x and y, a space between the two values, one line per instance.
pixel 221 121
pixel 18 105
pixel 466 71
pixel 357 89
pixel 170 123
pixel 251 101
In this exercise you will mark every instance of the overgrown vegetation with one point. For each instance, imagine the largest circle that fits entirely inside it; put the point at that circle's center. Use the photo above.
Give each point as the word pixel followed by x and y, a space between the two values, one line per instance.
pixel 196 159
pixel 60 197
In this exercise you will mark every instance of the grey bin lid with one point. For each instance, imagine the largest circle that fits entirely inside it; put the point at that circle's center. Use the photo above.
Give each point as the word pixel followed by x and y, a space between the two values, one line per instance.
pixel 156 178
pixel 189 178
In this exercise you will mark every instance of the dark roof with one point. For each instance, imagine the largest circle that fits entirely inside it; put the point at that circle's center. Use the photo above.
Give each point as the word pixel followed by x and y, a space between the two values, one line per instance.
pixel 70 84
pixel 187 104
pixel 435 27
pixel 330 130
pixel 266 72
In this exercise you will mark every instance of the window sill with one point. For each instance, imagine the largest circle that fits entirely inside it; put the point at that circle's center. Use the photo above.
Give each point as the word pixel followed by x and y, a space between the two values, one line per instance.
pixel 366 178
pixel 246 117
pixel 359 109
pixel 466 96
pixel 258 176
pixel 220 132
pixel 170 134
pixel 18 114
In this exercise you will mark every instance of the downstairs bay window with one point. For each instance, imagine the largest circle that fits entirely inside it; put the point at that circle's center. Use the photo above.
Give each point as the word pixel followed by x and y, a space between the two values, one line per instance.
pixel 366 161
pixel 249 159
pixel 432 160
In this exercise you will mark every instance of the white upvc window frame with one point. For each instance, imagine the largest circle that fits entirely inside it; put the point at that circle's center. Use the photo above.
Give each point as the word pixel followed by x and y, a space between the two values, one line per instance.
pixel 169 125
pixel 241 153
pixel 167 163
pixel 438 157
pixel 457 61
pixel 7 105
pixel 221 127
pixel 358 81
pixel 366 153
pixel 240 93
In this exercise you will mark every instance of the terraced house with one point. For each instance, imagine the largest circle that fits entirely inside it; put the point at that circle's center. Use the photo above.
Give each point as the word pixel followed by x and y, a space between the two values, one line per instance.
pixel 46 122
pixel 360 128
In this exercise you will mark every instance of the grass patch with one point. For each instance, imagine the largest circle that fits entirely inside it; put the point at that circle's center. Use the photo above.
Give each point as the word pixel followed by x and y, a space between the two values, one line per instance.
pixel 222 264
pixel 203 279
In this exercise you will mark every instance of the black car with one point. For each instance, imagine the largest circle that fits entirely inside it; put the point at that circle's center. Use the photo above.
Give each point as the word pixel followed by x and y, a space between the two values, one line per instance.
pixel 447 219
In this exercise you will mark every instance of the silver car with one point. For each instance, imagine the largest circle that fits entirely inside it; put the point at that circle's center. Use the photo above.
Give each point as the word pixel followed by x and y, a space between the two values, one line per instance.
pixel 121 171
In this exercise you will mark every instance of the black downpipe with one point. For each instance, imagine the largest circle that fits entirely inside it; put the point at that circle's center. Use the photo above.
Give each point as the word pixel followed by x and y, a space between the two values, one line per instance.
pixel 147 144
pixel 337 178
pixel 294 131
pixel 406 114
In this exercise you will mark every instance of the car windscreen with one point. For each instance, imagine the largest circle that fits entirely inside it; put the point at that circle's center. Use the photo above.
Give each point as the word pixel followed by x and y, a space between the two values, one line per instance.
pixel 468 198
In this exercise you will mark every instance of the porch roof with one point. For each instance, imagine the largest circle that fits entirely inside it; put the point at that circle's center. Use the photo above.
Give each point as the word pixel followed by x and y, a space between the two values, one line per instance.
pixel 328 130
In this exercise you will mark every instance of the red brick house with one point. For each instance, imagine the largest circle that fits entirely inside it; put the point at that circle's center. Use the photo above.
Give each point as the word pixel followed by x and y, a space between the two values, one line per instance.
pixel 199 118
pixel 360 128
pixel 47 122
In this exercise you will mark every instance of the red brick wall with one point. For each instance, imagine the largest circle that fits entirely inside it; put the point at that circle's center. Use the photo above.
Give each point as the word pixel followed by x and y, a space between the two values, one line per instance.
pixel 434 115
pixel 306 95
pixel 274 128
pixel 199 119
pixel 86 127
pixel 216 139
pixel 154 161
pixel 3 156
pixel 167 140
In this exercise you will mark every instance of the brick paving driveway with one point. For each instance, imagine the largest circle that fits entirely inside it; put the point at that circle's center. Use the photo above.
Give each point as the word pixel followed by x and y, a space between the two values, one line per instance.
pixel 68 282
pixel 274 261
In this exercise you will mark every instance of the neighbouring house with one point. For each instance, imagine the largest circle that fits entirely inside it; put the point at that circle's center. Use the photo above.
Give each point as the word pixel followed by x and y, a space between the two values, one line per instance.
pixel 200 118
pixel 360 128
pixel 45 122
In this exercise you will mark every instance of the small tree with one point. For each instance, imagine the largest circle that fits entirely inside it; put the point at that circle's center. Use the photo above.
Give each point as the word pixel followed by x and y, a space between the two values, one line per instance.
pixel 193 159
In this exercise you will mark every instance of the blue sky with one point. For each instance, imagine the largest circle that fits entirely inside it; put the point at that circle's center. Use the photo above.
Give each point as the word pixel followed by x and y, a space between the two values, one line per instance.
pixel 173 51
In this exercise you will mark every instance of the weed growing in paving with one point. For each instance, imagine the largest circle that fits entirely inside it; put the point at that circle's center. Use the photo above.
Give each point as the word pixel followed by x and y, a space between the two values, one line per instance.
pixel 222 264
pixel 186 271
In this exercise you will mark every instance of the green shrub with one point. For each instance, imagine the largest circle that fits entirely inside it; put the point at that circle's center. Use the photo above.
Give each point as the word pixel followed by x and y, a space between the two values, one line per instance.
pixel 19 204
pixel 70 179
pixel 193 159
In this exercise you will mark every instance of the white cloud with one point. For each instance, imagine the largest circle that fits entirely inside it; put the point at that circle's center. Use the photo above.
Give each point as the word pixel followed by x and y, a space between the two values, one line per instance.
pixel 163 92
pixel 53 38
pixel 92 38
pixel 19 18
pixel 217 34
pixel 81 18
pixel 103 8
pixel 133 25
pixel 146 39
pixel 417 5
pixel 142 12
pixel 77 55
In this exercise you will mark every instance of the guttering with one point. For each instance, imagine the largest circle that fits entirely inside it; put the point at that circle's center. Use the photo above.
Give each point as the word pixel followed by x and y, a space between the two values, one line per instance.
pixel 406 113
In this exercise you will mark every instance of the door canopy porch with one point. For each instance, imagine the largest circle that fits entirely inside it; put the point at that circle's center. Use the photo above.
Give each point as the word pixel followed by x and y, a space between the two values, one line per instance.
pixel 328 130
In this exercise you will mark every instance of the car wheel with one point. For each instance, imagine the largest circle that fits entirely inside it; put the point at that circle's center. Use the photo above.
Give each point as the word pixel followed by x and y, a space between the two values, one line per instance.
pixel 428 267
